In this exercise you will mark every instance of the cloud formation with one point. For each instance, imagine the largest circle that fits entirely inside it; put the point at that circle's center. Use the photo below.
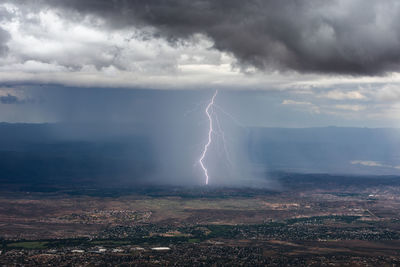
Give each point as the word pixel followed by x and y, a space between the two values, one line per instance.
pixel 4 37
pixel 204 44
pixel 200 44
pixel 354 37
pixel 370 163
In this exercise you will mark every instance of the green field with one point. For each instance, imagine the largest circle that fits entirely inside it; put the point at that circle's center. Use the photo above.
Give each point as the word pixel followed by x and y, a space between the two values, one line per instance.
pixel 29 245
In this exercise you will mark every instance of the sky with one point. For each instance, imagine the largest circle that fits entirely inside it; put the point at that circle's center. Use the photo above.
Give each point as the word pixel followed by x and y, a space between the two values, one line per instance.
pixel 117 68
pixel 277 63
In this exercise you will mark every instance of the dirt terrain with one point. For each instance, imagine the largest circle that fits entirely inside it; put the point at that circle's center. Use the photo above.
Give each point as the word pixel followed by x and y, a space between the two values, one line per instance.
pixel 303 225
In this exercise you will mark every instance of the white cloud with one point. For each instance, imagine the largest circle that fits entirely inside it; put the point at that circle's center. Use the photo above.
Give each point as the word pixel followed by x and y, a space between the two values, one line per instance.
pixel 350 107
pixel 293 102
pixel 340 95
pixel 33 66
pixel 370 163
pixel 388 93
pixel 302 104
pixel 50 49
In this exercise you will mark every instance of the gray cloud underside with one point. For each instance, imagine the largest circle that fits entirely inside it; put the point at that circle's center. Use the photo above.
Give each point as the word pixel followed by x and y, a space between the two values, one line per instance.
pixel 4 37
pixel 355 37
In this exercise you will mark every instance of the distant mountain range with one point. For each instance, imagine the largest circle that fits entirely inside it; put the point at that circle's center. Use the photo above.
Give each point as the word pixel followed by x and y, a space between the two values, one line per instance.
pixel 38 154
pixel 327 150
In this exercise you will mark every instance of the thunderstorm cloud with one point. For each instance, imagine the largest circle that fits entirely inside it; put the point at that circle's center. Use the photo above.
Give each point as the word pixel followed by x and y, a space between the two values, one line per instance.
pixel 4 37
pixel 344 37
pixel 336 61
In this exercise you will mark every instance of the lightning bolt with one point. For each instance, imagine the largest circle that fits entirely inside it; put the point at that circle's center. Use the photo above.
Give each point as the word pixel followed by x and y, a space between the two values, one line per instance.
pixel 210 132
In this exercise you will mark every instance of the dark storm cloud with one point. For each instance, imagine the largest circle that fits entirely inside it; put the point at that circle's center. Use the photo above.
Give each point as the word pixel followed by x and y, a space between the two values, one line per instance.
pixel 4 37
pixel 343 37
